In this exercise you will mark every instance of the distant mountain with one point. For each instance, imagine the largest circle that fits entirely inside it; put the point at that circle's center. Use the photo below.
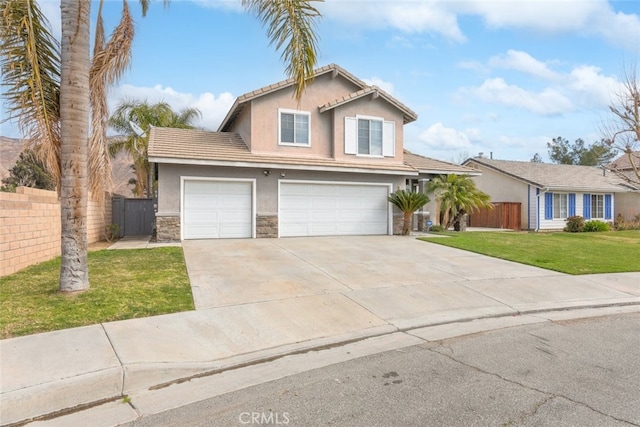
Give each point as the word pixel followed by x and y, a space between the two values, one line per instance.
pixel 10 149
pixel 121 171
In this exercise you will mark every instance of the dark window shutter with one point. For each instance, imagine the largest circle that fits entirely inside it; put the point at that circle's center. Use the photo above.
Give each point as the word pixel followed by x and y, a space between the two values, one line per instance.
pixel 586 209
pixel 548 205
pixel 607 206
pixel 572 204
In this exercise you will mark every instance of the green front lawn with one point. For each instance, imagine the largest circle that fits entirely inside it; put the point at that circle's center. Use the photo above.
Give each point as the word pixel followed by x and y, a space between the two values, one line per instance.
pixel 572 253
pixel 125 284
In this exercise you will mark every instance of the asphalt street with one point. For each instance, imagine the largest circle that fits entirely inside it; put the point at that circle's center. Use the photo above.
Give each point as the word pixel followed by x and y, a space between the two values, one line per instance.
pixel 583 372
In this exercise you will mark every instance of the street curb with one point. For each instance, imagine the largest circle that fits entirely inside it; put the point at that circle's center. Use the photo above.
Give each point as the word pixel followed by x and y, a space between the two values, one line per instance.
pixel 20 416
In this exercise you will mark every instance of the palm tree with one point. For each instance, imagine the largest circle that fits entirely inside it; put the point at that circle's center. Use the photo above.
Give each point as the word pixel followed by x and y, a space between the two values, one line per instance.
pixel 144 115
pixel 52 88
pixel 458 196
pixel 408 202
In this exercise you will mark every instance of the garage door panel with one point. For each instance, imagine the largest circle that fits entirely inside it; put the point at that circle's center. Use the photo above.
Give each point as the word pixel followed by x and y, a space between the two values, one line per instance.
pixel 217 209
pixel 326 209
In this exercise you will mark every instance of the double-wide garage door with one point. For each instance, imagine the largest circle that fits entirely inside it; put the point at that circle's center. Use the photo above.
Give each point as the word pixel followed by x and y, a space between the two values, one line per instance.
pixel 224 209
pixel 331 209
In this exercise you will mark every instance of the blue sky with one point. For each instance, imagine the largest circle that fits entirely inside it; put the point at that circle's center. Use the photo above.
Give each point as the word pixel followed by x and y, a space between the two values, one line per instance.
pixel 501 77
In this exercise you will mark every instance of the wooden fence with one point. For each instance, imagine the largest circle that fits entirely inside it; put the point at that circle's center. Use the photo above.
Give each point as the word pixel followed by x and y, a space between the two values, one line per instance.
pixel 503 215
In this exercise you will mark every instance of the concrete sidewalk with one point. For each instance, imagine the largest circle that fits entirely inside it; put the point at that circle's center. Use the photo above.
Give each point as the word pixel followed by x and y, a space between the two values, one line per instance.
pixel 267 308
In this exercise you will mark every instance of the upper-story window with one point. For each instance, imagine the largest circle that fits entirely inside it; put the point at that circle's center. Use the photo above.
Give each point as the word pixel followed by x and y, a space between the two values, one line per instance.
pixel 369 136
pixel 294 127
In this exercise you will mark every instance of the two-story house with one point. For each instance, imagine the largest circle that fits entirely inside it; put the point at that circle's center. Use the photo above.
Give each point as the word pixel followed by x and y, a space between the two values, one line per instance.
pixel 279 167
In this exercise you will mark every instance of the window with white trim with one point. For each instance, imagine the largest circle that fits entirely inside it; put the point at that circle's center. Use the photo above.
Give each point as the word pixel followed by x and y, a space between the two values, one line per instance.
pixel 294 127
pixel 560 205
pixel 597 206
pixel 369 136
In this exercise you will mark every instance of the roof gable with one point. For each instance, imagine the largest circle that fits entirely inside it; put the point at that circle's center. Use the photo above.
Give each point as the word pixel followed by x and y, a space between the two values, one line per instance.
pixel 335 70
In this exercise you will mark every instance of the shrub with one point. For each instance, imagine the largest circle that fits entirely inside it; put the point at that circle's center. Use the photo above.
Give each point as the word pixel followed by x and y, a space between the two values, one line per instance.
pixel 111 232
pixel 436 228
pixel 596 225
pixel 575 224
pixel 621 224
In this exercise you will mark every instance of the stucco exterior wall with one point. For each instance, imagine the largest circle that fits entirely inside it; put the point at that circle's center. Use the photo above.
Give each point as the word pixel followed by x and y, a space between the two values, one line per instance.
pixel 258 124
pixel 264 117
pixel 627 205
pixel 266 186
pixel 367 106
pixel 243 125
pixel 504 189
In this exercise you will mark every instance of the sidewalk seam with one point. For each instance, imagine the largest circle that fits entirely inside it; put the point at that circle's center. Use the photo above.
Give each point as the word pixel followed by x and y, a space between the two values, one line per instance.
pixel 118 357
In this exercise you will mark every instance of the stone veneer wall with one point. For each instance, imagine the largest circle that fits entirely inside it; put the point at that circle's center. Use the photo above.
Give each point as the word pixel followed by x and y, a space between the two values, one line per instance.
pixel 398 220
pixel 168 228
pixel 266 226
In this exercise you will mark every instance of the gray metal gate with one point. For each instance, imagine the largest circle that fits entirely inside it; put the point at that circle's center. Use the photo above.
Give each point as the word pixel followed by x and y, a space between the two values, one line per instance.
pixel 134 217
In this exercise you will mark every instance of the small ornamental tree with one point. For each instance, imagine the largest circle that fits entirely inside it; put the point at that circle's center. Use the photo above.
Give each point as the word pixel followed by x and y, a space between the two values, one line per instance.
pixel 408 202
pixel 29 171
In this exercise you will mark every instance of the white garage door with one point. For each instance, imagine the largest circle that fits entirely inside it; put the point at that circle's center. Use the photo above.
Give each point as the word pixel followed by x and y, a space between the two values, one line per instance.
pixel 329 209
pixel 217 209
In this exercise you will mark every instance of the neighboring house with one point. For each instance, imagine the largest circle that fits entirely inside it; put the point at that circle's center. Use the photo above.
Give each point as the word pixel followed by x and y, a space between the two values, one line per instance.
pixel 627 205
pixel 278 167
pixel 624 166
pixel 549 193
pixel 428 169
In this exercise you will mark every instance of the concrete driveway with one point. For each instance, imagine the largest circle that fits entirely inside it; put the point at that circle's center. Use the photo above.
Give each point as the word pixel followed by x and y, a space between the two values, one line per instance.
pixel 401 280
pixel 300 302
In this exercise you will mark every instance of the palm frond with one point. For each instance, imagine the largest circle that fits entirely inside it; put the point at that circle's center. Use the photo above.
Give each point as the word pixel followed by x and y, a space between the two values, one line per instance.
pixel 110 60
pixel 408 201
pixel 30 64
pixel 291 26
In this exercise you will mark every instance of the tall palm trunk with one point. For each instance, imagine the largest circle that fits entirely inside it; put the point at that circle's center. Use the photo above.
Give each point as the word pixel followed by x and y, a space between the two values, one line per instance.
pixel 74 132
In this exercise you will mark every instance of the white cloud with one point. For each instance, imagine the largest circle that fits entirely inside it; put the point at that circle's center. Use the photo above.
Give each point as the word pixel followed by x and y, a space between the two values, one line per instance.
pixel 582 17
pixel 547 102
pixel 523 62
pixel 230 5
pixel 407 16
pixel 544 16
pixel 583 87
pixel 439 137
pixel 585 17
pixel 377 81
pixel 620 29
pixel 591 87
pixel 213 108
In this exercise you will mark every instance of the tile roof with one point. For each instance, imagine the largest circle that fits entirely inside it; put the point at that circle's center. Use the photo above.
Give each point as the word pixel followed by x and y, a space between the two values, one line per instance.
pixel 240 102
pixel 433 166
pixel 554 176
pixel 409 116
pixel 188 146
